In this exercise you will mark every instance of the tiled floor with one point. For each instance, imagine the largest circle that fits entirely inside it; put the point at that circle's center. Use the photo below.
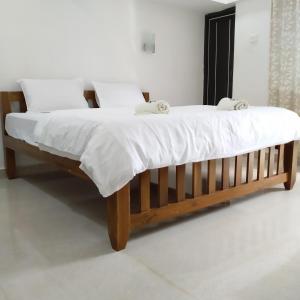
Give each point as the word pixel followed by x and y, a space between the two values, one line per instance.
pixel 54 245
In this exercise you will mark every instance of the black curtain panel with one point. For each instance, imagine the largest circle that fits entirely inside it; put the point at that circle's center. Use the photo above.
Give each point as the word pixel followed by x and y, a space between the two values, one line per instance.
pixel 219 56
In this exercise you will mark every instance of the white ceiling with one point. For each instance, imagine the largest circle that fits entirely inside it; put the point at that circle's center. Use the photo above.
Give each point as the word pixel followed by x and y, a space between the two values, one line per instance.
pixel 203 5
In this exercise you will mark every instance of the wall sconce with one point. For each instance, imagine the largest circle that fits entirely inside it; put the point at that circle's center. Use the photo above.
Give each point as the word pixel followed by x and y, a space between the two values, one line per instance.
pixel 148 44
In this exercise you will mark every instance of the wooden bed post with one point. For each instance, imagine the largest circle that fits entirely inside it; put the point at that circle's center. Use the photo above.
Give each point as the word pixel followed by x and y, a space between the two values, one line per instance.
pixel 10 163
pixel 9 154
pixel 290 164
pixel 118 218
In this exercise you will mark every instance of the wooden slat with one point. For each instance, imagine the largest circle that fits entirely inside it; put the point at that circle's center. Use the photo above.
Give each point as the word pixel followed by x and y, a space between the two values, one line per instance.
pixel 290 164
pixel 180 183
pixel 197 180
pixel 238 170
pixel 145 190
pixel 118 218
pixel 212 182
pixel 271 161
pixel 280 159
pixel 163 187
pixel 261 164
pixel 225 173
pixel 174 210
pixel 250 163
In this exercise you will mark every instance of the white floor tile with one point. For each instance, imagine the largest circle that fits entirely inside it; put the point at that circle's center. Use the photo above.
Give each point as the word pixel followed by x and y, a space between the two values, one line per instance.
pixel 54 245
pixel 2 295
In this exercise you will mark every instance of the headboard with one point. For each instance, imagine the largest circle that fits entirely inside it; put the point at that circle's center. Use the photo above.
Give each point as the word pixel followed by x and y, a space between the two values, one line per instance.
pixel 7 98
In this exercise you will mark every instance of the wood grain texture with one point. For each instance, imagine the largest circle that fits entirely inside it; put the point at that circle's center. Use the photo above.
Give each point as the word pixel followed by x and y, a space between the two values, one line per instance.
pixel 118 218
pixel 238 170
pixel 144 187
pixel 197 180
pixel 177 209
pixel 271 161
pixel 250 165
pixel 163 186
pixel 280 159
pixel 290 164
pixel 212 180
pixel 225 173
pixel 180 183
pixel 261 164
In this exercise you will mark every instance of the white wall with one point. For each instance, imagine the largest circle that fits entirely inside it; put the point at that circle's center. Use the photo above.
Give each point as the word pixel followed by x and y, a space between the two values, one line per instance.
pixel 100 39
pixel 175 72
pixel 251 66
pixel 65 38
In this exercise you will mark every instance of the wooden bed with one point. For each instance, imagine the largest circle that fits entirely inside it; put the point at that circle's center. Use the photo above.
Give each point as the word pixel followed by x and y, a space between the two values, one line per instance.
pixel 274 165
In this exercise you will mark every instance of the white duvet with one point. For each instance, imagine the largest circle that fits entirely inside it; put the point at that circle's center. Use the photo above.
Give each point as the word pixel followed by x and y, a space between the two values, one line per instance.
pixel 113 145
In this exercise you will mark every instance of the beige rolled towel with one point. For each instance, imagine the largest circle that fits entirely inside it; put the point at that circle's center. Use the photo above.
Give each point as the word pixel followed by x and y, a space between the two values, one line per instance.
pixel 231 104
pixel 156 107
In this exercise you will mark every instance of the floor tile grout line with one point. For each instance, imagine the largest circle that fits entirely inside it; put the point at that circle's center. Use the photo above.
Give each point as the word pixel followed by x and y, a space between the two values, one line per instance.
pixel 164 278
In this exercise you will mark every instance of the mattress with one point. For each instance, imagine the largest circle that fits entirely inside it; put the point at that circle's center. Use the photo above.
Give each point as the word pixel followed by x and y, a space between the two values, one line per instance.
pixel 21 125
pixel 113 145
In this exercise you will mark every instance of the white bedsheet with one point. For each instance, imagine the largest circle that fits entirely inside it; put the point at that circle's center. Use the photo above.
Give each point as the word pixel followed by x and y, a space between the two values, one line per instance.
pixel 21 125
pixel 114 145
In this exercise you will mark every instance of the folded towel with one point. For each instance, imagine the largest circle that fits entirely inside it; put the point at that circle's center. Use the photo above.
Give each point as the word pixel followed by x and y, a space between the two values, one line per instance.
pixel 231 104
pixel 156 107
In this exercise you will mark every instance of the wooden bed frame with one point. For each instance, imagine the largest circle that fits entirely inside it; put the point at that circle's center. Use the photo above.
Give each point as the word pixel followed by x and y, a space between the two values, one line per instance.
pixel 275 165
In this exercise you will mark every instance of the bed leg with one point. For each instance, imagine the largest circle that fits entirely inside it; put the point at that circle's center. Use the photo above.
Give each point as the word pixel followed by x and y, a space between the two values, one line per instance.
pixel 118 218
pixel 10 163
pixel 290 164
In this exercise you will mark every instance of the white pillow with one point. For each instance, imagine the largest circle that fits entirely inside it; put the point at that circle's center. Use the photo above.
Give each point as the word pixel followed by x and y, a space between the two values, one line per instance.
pixel 118 94
pixel 53 94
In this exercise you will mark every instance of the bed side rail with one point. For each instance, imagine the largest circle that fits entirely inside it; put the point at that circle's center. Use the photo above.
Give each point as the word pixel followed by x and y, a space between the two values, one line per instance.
pixel 240 176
